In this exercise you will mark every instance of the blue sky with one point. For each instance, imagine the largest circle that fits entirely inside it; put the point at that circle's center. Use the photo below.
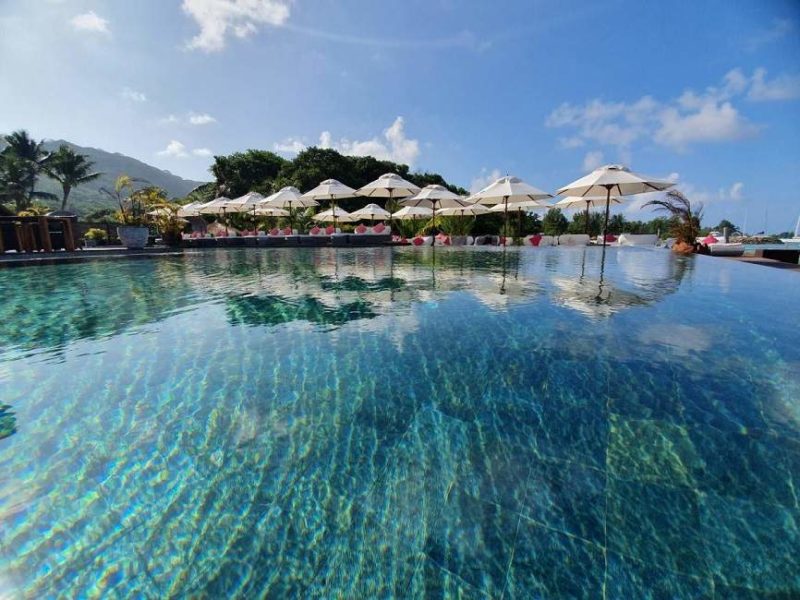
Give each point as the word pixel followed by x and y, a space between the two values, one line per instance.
pixel 707 93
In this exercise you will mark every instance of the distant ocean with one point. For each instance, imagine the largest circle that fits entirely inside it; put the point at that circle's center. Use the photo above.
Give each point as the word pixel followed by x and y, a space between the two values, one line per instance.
pixel 771 247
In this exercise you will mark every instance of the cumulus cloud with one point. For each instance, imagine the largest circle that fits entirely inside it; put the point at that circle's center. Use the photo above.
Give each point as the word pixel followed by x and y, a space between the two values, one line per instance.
pixel 392 145
pixel 484 179
pixel 132 95
pixel 174 149
pixel 592 160
pixel 201 119
pixel 779 29
pixel 694 117
pixel 218 19
pixel 90 21
pixel 783 87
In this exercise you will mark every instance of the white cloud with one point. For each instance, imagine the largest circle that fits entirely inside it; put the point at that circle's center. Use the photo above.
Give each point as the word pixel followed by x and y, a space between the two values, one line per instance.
pixel 290 146
pixel 711 123
pixel 242 18
pixel 201 119
pixel 90 21
pixel 132 95
pixel 392 145
pixel 694 117
pixel 484 179
pixel 592 160
pixel 783 87
pixel 779 29
pixel 174 149
pixel 735 191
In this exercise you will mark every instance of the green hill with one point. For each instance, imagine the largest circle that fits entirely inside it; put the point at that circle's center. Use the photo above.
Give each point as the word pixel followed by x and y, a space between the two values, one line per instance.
pixel 88 197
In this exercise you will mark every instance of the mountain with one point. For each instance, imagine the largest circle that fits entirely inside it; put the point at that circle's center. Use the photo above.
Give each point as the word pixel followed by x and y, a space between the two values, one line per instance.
pixel 88 197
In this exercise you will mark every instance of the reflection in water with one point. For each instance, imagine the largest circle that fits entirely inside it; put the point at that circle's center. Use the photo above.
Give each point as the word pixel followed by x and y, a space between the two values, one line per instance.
pixel 359 423
pixel 8 422
pixel 322 286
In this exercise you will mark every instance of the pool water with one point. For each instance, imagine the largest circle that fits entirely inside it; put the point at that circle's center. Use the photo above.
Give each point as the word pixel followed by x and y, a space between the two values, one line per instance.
pixel 376 423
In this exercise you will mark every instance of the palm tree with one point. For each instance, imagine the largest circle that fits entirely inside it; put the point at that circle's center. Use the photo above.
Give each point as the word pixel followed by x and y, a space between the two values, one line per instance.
pixel 24 159
pixel 70 169
pixel 685 224
pixel 16 183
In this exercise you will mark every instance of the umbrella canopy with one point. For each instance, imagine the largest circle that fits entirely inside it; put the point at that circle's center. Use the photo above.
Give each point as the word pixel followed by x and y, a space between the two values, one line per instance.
pixel 613 179
pixel 269 211
pixel 217 206
pixel 288 197
pixel 469 210
pixel 331 190
pixel 508 190
pixel 244 203
pixel 160 212
pixel 581 202
pixel 413 212
pixel 435 196
pixel 332 214
pixel 189 210
pixel 523 206
pixel 371 212
pixel 388 185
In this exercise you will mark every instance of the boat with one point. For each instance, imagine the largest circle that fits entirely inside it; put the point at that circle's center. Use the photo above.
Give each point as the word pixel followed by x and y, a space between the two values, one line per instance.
pixel 796 238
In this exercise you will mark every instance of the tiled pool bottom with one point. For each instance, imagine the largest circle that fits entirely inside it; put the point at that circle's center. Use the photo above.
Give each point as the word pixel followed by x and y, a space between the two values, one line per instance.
pixel 377 423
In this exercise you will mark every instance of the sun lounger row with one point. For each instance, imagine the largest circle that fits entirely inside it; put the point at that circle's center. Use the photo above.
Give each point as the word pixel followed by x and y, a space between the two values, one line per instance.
pixel 362 236
pixel 494 240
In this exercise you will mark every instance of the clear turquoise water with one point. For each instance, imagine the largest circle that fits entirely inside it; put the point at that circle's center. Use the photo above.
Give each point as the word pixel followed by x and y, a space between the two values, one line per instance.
pixel 379 423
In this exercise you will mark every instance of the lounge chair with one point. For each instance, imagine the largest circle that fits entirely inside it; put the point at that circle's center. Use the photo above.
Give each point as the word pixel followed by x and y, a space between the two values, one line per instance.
pixel 630 239
pixel 574 239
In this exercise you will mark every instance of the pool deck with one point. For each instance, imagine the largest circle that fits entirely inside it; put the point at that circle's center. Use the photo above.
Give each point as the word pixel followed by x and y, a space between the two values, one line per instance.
pixel 765 262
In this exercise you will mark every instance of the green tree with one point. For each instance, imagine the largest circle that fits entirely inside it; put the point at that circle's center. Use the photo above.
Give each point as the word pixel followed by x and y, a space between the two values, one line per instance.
pixel 21 162
pixel 578 223
pixel 554 222
pixel 731 227
pixel 616 224
pixel 70 169
pixel 242 172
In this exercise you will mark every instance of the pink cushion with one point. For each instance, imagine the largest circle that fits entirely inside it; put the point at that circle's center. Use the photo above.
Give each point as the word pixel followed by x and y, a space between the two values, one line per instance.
pixel 330 230
pixel 378 228
pixel 315 230
pixel 418 241
pixel 361 229
pixel 274 231
pixel 287 231
pixel 710 239
pixel 610 237
pixel 536 240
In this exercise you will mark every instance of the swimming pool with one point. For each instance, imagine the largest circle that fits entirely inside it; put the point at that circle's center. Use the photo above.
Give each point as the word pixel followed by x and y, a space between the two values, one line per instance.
pixel 397 422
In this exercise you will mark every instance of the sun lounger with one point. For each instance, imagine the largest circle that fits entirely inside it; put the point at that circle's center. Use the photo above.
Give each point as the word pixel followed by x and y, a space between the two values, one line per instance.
pixel 630 239
pixel 723 249
pixel 573 239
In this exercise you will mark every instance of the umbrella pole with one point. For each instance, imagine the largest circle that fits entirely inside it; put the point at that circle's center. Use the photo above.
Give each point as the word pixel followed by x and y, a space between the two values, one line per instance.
pixel 588 202
pixel 333 204
pixel 226 221
pixel 519 225
pixel 505 210
pixel 605 224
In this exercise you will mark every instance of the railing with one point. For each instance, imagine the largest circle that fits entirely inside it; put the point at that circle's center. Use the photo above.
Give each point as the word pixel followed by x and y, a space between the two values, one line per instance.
pixel 38 234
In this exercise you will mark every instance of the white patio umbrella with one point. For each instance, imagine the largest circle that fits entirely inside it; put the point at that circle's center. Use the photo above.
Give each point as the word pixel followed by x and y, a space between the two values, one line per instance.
pixel 189 210
pixel 269 211
pixel 613 178
pixel 245 203
pixel 217 206
pixel 371 212
pixel 469 210
pixel 579 202
pixel 508 190
pixel 333 214
pixel 330 190
pixel 433 196
pixel 412 213
pixel 388 185
pixel 288 197
pixel 519 208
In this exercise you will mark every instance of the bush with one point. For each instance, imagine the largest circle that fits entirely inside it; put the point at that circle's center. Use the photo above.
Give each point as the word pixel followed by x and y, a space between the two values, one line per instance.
pixel 96 234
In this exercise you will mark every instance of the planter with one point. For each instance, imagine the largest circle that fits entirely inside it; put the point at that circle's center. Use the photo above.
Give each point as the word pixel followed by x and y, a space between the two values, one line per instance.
pixel 132 236
pixel 682 248
pixel 90 243
pixel 172 238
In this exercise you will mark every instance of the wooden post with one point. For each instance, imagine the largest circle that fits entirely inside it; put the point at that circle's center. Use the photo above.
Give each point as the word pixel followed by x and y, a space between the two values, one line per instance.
pixel 44 234
pixel 2 245
pixel 69 240
pixel 21 245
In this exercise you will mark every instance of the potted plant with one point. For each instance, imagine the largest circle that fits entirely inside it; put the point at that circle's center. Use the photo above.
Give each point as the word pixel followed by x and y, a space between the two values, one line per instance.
pixel 684 224
pixel 132 230
pixel 165 216
pixel 94 236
